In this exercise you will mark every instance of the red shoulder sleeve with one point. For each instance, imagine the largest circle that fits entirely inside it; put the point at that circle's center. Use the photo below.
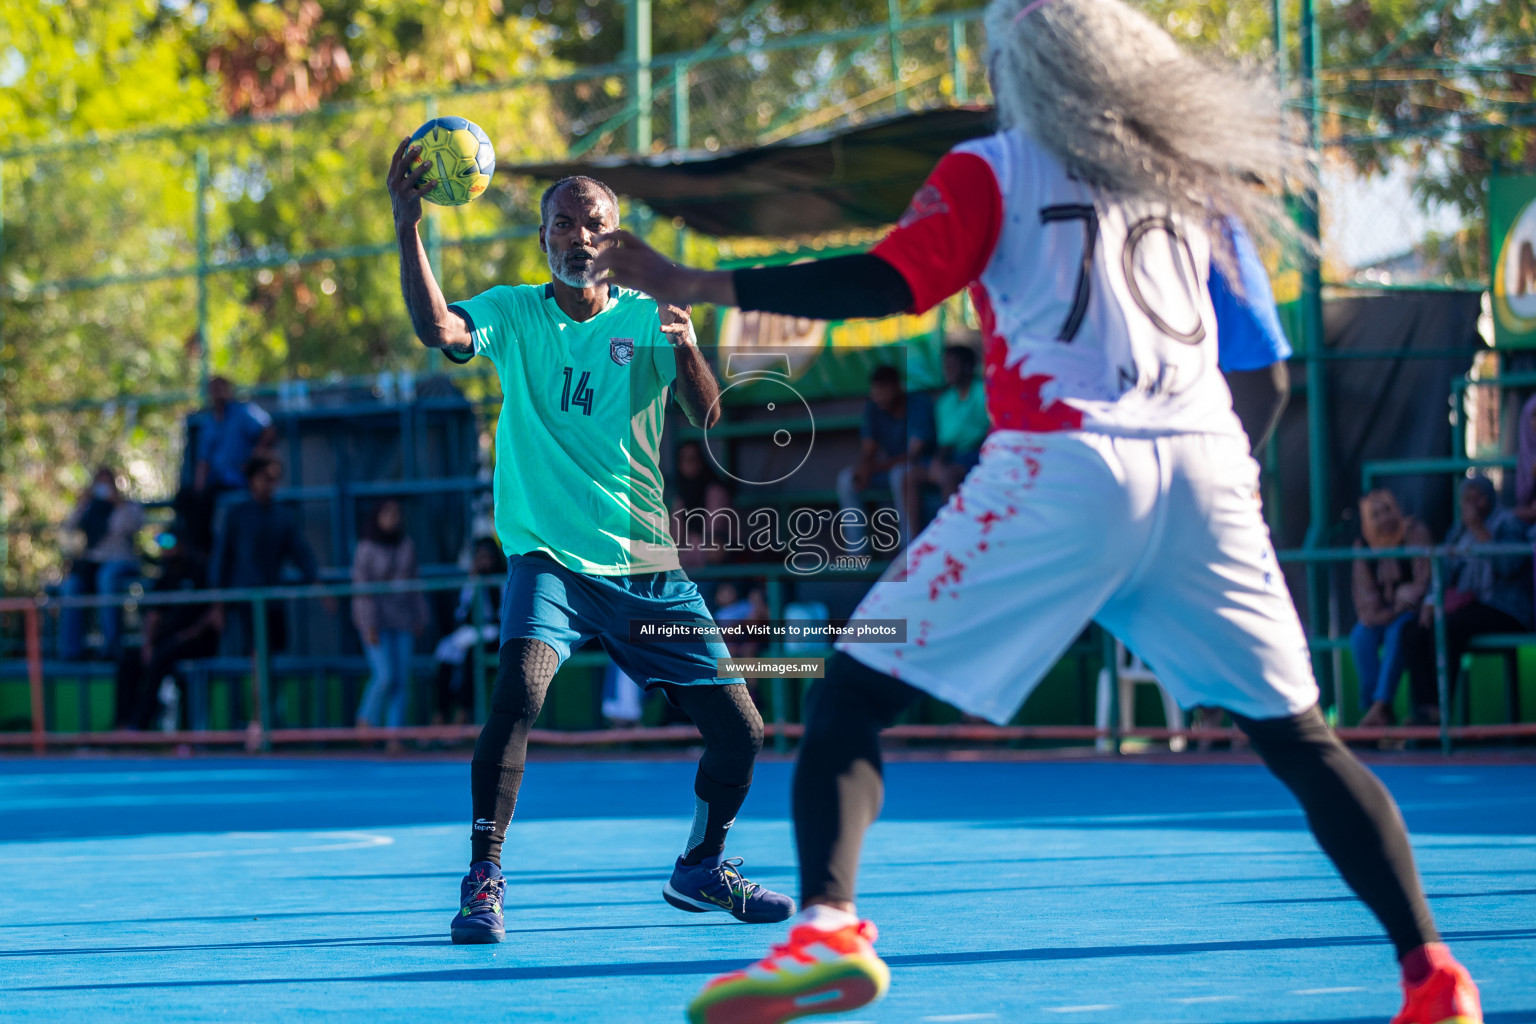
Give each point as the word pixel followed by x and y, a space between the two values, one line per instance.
pixel 944 240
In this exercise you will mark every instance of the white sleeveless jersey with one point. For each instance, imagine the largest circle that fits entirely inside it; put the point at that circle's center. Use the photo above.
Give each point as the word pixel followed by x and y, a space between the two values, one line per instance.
pixel 1095 310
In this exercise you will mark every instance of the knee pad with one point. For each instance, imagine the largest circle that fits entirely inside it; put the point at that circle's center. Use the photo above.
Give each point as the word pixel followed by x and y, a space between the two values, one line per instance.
pixel 523 673
pixel 725 715
pixel 750 720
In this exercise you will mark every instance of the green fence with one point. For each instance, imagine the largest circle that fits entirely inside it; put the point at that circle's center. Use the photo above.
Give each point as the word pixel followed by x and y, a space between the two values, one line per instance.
pixel 782 696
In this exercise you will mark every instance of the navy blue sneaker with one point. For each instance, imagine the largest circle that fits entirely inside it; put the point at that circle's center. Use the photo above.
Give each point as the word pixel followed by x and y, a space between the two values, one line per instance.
pixel 717 885
pixel 479 918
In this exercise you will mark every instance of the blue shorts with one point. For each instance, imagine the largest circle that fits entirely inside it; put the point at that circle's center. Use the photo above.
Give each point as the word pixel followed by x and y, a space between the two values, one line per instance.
pixel 546 601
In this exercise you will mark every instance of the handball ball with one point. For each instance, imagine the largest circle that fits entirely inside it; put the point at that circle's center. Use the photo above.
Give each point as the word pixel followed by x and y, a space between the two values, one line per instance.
pixel 461 157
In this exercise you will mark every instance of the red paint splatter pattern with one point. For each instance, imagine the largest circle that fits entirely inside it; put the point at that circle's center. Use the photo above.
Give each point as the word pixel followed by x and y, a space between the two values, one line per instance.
pixel 1014 400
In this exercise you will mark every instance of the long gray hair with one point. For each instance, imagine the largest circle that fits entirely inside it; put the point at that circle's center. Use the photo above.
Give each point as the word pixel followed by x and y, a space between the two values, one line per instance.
pixel 1108 92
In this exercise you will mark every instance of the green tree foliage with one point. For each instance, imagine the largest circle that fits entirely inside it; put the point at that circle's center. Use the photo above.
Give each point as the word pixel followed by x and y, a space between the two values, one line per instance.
pixel 70 68
pixel 592 31
pixel 1447 87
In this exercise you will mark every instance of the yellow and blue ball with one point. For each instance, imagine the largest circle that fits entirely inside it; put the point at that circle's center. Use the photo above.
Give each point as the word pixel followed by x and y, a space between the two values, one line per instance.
pixel 461 157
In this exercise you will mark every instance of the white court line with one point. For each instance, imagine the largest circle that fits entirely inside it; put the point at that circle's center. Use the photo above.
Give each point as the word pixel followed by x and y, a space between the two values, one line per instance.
pixel 355 841
pixel 359 841
pixel 1188 1000
pixel 963 1016
pixel 1325 991
pixel 1091 1008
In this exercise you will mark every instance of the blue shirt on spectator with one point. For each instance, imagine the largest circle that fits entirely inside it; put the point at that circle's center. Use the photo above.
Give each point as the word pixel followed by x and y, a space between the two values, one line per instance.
pixel 1248 334
pixel 226 444
pixel 892 434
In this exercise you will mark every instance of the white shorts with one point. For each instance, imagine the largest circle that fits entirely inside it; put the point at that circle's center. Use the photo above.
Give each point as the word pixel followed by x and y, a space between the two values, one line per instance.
pixel 1162 541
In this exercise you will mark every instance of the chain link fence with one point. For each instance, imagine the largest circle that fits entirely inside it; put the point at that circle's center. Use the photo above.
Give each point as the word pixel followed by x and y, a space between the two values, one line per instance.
pixel 265 251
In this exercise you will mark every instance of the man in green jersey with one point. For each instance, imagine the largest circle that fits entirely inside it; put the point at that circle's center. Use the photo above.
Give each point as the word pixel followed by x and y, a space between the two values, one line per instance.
pixel 585 370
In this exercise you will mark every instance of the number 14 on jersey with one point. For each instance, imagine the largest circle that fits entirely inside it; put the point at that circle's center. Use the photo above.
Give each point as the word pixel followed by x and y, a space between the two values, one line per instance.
pixel 582 398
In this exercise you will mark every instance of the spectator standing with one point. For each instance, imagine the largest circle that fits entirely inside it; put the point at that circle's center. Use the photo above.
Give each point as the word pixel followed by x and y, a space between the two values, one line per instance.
pixel 258 540
pixel 960 420
pixel 388 623
pixel 1389 594
pixel 172 633
pixel 110 522
pixel 226 435
pixel 1484 594
pixel 896 432
pixel 455 698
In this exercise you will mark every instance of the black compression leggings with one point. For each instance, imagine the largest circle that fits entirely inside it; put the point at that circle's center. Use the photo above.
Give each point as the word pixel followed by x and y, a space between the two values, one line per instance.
pixel 839 784
pixel 839 788
pixel 726 718
pixel 1353 817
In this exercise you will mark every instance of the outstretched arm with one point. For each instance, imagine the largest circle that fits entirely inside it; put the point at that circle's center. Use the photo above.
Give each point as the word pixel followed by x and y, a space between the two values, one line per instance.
pixel 435 324
pixel 630 262
pixel 941 244
pixel 841 288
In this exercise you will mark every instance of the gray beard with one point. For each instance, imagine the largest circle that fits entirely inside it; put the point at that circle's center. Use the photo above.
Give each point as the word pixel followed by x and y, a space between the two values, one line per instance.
pixel 571 278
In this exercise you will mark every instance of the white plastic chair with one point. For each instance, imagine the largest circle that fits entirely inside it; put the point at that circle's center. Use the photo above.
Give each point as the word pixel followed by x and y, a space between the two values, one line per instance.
pixel 1131 671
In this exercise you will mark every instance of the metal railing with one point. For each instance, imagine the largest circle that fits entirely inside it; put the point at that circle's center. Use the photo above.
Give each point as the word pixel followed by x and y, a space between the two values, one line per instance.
pixel 1437 555
pixel 260 734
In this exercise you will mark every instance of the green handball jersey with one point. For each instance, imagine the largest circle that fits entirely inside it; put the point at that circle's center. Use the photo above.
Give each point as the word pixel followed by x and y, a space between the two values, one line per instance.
pixel 578 473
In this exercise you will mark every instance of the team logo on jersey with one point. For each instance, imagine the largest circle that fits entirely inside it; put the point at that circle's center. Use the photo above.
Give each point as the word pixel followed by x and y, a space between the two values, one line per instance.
pixel 927 202
pixel 622 350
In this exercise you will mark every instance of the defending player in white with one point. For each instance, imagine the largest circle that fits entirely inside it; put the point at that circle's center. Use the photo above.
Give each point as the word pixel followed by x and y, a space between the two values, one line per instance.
pixel 1116 485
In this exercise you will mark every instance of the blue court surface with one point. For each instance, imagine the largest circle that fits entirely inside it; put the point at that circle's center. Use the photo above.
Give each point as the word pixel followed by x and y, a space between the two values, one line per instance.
pixel 284 889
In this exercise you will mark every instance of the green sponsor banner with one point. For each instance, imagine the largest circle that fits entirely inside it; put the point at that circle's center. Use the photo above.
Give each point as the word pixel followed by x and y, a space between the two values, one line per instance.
pixel 1512 234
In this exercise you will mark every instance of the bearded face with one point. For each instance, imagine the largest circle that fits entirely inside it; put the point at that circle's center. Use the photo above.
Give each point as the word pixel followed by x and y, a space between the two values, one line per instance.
pixel 577 216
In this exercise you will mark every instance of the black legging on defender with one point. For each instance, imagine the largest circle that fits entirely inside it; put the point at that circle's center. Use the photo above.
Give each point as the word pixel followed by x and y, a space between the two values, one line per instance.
pixel 839 787
pixel 725 716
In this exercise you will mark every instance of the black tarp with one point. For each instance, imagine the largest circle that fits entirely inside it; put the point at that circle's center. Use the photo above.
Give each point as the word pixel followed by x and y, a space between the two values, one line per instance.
pixel 1393 407
pixel 854 176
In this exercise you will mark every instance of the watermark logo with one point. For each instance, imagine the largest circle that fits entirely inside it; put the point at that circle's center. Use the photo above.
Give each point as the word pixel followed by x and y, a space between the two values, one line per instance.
pixel 810 540
pixel 815 497
pixel 775 398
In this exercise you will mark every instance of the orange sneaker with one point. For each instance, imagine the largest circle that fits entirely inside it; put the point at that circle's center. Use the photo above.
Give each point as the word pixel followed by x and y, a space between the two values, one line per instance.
pixel 816 971
pixel 1447 996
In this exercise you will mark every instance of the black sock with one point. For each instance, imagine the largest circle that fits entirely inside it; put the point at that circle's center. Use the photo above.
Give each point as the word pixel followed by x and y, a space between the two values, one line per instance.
pixel 1353 817
pixel 714 812
pixel 493 798
pixel 733 736
pixel 839 784
pixel 496 772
